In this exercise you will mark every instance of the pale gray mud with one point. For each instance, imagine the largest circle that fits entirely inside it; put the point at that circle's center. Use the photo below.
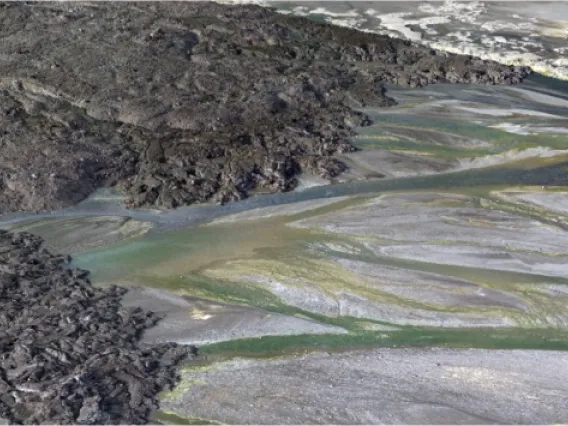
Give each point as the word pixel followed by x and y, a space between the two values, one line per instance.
pixel 65 235
pixel 383 386
pixel 197 321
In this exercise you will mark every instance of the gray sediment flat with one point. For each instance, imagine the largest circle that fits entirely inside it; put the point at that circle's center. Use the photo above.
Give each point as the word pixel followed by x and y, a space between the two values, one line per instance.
pixel 354 305
pixel 478 257
pixel 382 386
pixel 199 321
pixel 556 201
pixel 448 218
pixel 349 303
pixel 278 210
pixel 391 164
pixel 76 234
pixel 427 287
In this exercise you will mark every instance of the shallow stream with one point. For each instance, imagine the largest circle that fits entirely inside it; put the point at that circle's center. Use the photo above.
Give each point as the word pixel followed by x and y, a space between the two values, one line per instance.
pixel 476 154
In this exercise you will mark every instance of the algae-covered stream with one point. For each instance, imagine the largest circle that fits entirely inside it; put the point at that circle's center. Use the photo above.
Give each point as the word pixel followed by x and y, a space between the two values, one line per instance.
pixel 312 254
pixel 464 244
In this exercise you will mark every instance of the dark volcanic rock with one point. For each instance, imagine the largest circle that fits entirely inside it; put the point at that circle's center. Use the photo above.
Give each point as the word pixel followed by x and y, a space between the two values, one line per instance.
pixel 68 351
pixel 179 103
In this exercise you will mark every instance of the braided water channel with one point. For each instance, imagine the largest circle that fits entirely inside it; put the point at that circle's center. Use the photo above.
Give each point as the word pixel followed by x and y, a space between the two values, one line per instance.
pixel 463 242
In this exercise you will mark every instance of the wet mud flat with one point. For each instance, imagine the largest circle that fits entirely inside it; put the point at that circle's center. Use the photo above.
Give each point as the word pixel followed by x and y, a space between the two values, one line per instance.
pixel 179 103
pixel 198 321
pixel 66 235
pixel 380 386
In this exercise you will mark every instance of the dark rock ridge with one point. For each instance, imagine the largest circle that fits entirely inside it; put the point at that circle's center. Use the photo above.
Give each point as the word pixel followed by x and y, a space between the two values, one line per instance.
pixel 68 351
pixel 178 103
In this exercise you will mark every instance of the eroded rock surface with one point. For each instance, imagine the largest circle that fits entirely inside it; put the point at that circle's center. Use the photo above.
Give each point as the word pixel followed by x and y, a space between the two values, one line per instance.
pixel 69 352
pixel 178 103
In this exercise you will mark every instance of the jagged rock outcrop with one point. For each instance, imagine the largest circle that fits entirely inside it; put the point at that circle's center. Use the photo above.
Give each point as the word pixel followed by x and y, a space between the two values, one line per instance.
pixel 178 103
pixel 69 352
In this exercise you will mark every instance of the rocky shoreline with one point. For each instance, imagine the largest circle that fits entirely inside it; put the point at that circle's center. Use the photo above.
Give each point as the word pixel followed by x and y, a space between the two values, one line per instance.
pixel 181 103
pixel 69 352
